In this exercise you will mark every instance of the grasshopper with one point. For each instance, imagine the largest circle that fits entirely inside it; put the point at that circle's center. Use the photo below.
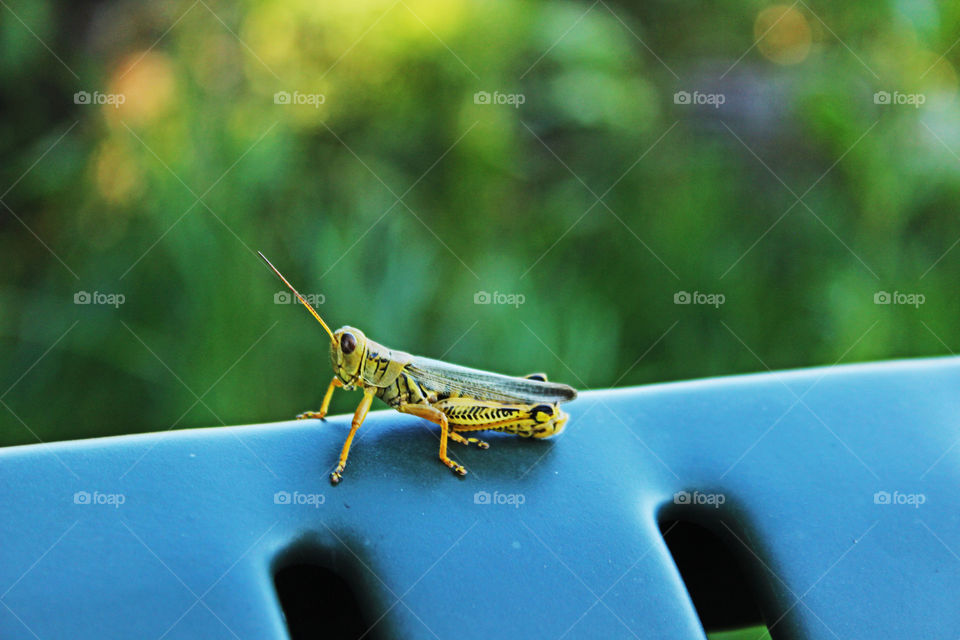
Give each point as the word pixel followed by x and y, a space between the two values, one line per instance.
pixel 459 399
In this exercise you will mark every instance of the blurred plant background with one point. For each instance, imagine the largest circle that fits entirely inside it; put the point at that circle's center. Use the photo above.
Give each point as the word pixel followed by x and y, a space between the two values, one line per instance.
pixel 578 165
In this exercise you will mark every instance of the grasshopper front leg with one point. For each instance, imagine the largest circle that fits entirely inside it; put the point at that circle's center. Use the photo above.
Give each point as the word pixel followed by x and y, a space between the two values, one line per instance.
pixel 325 405
pixel 438 417
pixel 358 417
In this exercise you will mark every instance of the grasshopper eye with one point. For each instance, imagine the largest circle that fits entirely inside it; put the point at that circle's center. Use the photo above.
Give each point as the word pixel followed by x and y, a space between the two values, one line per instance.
pixel 348 343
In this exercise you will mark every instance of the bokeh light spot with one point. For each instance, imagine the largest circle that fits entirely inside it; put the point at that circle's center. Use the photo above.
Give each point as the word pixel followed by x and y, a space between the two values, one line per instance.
pixel 783 34
pixel 146 82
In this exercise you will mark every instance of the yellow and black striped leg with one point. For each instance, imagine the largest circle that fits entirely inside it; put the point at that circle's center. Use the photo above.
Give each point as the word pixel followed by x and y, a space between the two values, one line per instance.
pixel 525 420
pixel 325 405
pixel 456 437
pixel 438 417
pixel 358 417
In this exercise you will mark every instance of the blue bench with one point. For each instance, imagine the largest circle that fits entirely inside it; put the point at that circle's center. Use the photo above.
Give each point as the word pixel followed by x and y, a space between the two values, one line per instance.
pixel 835 489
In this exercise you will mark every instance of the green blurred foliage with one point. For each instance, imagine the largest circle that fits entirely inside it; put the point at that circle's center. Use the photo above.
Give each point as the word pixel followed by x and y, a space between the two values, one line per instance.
pixel 165 198
pixel 751 633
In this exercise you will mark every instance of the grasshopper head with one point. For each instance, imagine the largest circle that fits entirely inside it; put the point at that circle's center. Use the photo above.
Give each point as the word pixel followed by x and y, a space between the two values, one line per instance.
pixel 346 354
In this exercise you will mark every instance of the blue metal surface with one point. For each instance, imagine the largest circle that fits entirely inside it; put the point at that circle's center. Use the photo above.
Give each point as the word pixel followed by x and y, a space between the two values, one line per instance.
pixel 798 457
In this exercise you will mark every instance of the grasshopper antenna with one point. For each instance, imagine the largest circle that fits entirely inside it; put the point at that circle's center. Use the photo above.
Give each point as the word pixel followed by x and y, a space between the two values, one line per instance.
pixel 312 311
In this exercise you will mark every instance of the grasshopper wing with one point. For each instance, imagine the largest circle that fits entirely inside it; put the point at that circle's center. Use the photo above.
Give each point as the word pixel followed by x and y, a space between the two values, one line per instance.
pixel 444 377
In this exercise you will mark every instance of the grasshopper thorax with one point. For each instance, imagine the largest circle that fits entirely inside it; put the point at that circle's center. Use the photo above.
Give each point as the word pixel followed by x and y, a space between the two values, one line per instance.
pixel 347 351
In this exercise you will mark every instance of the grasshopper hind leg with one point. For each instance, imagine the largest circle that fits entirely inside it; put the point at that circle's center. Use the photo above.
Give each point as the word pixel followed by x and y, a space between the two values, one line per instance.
pixel 524 420
pixel 456 437
pixel 438 417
